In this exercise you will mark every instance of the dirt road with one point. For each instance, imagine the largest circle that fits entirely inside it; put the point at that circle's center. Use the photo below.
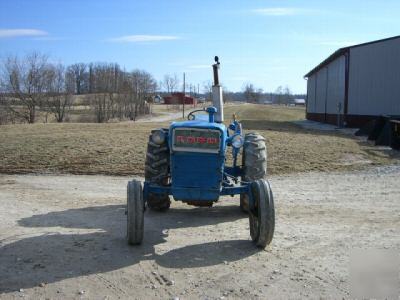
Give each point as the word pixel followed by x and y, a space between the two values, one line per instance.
pixel 161 117
pixel 62 237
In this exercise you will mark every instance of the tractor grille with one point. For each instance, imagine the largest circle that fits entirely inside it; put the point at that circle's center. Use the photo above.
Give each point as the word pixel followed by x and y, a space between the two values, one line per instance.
pixel 196 140
pixel 195 170
pixel 196 163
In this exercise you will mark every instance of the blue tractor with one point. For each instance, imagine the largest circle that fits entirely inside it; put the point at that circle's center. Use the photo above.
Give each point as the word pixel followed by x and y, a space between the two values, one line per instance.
pixel 188 162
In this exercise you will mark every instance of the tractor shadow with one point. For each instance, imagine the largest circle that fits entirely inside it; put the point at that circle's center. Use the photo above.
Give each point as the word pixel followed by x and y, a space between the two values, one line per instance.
pixel 90 240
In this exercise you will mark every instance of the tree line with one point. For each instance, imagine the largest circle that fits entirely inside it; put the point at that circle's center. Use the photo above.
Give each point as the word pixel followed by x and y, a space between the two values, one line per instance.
pixel 34 83
pixel 282 95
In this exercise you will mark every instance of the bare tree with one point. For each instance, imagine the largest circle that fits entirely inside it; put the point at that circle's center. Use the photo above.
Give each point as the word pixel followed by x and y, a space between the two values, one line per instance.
pixel 144 86
pixel 100 107
pixel 176 83
pixel 31 83
pixel 59 101
pixel 226 95
pixel 283 95
pixel 251 93
pixel 167 83
pixel 6 116
pixel 78 71
pixel 207 90
pixel 119 94
pixel 70 81
pixel 26 81
pixel 104 85
pixel 288 97
pixel 171 83
pixel 248 90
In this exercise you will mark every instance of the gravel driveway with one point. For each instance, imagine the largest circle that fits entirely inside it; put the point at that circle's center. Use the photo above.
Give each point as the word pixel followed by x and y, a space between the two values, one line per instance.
pixel 62 237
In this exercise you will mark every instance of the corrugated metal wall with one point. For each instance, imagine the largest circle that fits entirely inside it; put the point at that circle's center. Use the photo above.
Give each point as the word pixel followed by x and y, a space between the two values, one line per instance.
pixel 336 86
pixel 374 82
pixel 311 94
pixel 322 84
pixel 326 88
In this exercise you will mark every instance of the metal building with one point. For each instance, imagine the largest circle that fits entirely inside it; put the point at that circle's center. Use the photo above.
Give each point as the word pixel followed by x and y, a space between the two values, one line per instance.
pixel 356 84
pixel 178 98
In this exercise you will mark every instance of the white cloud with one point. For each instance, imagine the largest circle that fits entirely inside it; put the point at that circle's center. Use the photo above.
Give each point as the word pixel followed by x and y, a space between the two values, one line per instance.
pixel 143 38
pixel 282 11
pixel 11 33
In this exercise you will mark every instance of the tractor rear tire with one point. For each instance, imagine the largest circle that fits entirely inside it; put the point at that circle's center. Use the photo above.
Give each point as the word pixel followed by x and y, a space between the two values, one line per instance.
pixel 135 213
pixel 254 163
pixel 262 216
pixel 157 172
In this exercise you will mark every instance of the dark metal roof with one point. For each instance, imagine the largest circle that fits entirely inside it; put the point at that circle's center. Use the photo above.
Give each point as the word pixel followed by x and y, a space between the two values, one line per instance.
pixel 343 51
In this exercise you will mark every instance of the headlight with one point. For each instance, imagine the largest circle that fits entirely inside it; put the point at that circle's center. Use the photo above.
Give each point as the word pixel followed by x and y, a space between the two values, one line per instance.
pixel 237 141
pixel 158 137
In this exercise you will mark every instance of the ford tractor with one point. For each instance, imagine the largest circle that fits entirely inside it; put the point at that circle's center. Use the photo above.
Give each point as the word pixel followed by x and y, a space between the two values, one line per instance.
pixel 188 161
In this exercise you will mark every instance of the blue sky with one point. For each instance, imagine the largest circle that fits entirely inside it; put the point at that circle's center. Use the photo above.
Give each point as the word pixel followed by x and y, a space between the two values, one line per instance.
pixel 267 43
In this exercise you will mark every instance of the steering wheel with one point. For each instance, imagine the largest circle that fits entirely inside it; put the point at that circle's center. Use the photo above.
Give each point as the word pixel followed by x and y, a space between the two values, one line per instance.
pixel 191 115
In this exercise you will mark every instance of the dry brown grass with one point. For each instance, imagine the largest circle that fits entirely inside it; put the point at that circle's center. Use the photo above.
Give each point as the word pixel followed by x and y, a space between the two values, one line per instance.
pixel 119 148
pixel 292 149
pixel 115 148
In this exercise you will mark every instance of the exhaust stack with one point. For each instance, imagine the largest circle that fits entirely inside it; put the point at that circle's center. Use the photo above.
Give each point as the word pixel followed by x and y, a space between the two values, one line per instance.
pixel 217 99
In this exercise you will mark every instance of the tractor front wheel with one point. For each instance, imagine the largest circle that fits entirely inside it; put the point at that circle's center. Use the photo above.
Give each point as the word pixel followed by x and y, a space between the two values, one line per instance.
pixel 135 213
pixel 262 215
pixel 254 162
pixel 157 172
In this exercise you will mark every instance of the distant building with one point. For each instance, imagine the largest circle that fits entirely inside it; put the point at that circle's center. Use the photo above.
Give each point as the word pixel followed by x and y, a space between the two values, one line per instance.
pixel 158 99
pixel 299 102
pixel 356 84
pixel 178 98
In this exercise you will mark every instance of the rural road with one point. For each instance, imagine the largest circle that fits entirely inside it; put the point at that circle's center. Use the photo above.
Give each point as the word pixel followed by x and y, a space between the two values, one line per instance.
pixel 162 117
pixel 62 237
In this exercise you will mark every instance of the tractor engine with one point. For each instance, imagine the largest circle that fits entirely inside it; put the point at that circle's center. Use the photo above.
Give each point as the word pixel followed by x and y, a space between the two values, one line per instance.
pixel 197 161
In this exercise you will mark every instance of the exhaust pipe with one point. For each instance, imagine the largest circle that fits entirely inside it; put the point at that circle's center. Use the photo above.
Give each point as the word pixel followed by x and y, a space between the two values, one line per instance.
pixel 217 99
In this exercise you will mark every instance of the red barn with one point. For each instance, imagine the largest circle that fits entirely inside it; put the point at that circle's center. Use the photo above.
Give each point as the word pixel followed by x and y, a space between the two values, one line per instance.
pixel 178 98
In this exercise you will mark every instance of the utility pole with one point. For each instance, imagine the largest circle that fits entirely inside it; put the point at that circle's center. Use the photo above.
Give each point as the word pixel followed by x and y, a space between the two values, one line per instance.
pixel 183 100
pixel 136 100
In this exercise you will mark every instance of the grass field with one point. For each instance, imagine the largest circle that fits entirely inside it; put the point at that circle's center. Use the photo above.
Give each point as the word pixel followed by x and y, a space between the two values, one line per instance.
pixel 119 148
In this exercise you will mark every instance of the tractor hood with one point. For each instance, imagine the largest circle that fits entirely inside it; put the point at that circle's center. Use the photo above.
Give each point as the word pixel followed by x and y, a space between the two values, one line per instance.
pixel 200 126
pixel 197 159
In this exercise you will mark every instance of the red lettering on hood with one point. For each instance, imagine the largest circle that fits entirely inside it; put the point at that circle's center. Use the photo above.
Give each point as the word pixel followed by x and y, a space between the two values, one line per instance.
pixel 196 140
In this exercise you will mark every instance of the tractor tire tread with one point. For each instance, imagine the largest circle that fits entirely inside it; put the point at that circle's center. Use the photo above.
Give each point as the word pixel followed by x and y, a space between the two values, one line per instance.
pixel 151 143
pixel 254 157
pixel 262 221
pixel 157 172
pixel 135 213
pixel 159 163
pixel 254 162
